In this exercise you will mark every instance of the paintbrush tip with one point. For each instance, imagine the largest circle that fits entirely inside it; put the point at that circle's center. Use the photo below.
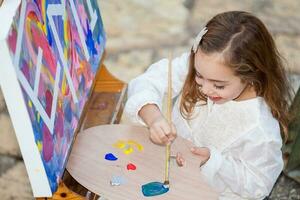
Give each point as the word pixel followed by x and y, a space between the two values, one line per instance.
pixel 166 184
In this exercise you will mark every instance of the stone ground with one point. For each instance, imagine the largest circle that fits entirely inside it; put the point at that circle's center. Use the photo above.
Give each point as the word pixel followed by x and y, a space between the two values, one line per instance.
pixel 141 32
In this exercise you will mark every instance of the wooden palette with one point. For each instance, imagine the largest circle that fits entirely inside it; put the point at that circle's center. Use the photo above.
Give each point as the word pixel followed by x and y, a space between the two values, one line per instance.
pixel 87 165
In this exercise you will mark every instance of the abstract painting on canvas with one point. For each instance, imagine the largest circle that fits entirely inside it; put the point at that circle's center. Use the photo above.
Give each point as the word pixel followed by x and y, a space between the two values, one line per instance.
pixel 50 55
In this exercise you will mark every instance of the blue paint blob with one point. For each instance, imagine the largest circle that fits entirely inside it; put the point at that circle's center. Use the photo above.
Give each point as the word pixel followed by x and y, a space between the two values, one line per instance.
pixel 154 189
pixel 68 112
pixel 49 37
pixel 111 157
pixel 90 41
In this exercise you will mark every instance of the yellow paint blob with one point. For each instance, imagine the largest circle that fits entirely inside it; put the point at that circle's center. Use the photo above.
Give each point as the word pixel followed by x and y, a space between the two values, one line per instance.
pixel 120 144
pixel 136 144
pixel 38 117
pixel 127 146
pixel 64 86
pixel 40 146
pixel 30 104
pixel 128 150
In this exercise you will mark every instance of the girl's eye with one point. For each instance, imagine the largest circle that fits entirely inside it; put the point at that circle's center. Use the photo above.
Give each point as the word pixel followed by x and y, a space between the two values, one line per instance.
pixel 219 87
pixel 198 75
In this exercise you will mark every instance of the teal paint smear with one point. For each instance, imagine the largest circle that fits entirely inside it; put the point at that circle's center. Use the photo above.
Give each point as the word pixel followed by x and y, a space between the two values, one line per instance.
pixel 154 189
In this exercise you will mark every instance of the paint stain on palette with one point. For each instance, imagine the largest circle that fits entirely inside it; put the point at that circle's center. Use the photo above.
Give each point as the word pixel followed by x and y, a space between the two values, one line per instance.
pixel 149 189
pixel 117 180
pixel 131 166
pixel 128 146
pixel 110 157
pixel 154 189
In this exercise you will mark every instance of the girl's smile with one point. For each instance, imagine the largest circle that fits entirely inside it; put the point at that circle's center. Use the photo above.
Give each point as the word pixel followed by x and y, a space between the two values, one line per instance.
pixel 215 99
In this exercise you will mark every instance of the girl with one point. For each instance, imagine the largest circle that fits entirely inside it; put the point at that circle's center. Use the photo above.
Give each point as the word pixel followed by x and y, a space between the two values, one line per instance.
pixel 233 99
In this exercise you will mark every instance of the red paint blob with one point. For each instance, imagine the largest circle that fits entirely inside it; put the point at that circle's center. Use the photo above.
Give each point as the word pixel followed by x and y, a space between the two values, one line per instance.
pixel 131 166
pixel 49 99
pixel 40 40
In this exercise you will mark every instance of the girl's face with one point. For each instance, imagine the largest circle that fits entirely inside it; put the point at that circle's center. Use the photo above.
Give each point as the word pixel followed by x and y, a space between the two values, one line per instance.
pixel 216 80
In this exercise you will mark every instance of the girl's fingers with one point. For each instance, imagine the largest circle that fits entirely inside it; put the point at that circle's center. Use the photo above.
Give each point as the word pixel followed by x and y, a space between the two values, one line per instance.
pixel 162 135
pixel 162 132
pixel 173 133
pixel 201 151
pixel 155 139
pixel 179 159
pixel 158 136
pixel 169 131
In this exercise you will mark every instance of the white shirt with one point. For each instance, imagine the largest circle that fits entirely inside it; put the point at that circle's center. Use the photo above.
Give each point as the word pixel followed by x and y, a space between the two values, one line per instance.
pixel 243 137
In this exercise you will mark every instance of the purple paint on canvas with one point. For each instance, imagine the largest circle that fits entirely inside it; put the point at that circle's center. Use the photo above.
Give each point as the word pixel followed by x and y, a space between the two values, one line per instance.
pixel 12 40
pixel 25 69
pixel 59 125
pixel 47 144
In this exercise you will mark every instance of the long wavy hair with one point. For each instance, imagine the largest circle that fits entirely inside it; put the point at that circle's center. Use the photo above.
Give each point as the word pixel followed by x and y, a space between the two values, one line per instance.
pixel 249 49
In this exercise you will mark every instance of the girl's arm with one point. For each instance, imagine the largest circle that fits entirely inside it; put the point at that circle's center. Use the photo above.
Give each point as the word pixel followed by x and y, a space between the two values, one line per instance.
pixel 150 87
pixel 249 168
pixel 145 96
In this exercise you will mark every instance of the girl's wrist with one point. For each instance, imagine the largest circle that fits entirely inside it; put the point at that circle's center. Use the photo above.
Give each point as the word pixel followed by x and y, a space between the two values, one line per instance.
pixel 150 113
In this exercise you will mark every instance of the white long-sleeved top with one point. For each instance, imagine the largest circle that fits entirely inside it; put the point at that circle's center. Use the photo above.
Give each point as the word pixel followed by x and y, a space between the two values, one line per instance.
pixel 243 137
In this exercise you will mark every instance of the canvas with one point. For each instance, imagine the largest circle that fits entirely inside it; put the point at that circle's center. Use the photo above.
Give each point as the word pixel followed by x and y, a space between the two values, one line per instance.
pixel 50 56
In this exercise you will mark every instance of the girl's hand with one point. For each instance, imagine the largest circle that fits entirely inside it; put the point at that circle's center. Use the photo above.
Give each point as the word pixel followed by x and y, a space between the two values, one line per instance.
pixel 203 153
pixel 161 132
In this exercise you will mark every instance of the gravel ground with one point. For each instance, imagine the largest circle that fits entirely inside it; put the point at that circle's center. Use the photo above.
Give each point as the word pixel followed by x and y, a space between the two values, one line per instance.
pixel 285 189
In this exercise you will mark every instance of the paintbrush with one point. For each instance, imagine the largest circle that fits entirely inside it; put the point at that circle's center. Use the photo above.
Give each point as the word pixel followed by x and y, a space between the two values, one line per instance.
pixel 169 119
